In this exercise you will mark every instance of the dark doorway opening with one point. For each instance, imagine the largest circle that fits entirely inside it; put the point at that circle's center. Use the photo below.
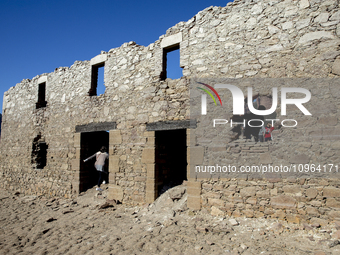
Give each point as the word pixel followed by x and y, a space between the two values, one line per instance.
pixel 170 158
pixel 39 152
pixel 41 96
pixel 91 142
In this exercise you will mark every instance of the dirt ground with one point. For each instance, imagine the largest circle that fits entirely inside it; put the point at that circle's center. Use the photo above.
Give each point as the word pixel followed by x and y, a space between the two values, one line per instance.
pixel 89 224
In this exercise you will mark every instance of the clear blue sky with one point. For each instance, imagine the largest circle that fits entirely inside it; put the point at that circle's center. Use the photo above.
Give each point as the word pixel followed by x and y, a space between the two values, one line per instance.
pixel 38 36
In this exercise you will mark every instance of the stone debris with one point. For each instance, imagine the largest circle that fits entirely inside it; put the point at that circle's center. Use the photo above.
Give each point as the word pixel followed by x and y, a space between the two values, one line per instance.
pixel 233 222
pixel 36 228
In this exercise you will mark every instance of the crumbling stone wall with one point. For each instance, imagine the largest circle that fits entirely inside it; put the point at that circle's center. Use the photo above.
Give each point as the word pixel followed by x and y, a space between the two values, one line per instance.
pixel 245 39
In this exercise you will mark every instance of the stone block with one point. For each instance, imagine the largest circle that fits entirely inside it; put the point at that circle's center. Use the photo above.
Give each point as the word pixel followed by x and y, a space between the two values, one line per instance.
pixel 213 195
pixel 77 140
pixel 333 214
pixel 312 211
pixel 112 177
pixel 265 158
pixel 148 156
pixel 140 179
pixel 150 197
pixel 99 59
pixel 150 141
pixel 311 193
pixel 299 159
pixel 248 192
pixel 194 202
pixel 248 213
pixel 292 189
pixel 321 222
pixel 42 79
pixel 331 192
pixel 336 67
pixel 78 150
pixel 331 134
pixel 252 200
pixel 229 206
pixel 150 170
pixel 111 149
pixel 150 184
pixel 75 164
pixel 171 40
pixel 115 137
pixel 149 134
pixel 194 184
pixel 304 4
pixel 115 192
pixel 308 37
pixel 264 193
pixel 283 201
pixel 218 187
pixel 273 192
pixel 328 120
pixel 190 138
pixel 75 187
pixel 293 218
pixel 216 202
pixel 195 155
pixel 113 164
pixel 279 214
pixel 216 212
pixel 331 202
pixel 336 235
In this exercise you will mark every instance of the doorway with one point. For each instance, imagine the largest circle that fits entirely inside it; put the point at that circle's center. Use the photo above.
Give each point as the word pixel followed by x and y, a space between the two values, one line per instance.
pixel 170 159
pixel 91 142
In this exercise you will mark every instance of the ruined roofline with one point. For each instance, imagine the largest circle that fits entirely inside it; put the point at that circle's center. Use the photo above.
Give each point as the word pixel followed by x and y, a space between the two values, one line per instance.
pixel 170 31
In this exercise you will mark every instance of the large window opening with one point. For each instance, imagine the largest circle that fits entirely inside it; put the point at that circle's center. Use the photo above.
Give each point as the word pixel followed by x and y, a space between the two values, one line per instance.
pixel 91 142
pixel 170 159
pixel 97 80
pixel 39 152
pixel 171 63
pixel 41 96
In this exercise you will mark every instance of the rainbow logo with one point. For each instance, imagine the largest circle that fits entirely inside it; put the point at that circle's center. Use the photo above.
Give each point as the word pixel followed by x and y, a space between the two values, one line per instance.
pixel 208 92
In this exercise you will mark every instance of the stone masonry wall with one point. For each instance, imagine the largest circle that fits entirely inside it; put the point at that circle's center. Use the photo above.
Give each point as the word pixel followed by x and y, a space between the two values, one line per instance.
pixel 245 39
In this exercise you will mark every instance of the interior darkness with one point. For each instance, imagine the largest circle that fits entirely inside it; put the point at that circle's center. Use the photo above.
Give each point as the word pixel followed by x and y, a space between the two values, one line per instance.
pixel 91 142
pixel 39 152
pixel 170 158
pixel 94 79
pixel 41 96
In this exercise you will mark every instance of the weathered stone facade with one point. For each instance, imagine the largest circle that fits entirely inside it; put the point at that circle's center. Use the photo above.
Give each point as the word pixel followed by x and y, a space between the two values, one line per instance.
pixel 245 39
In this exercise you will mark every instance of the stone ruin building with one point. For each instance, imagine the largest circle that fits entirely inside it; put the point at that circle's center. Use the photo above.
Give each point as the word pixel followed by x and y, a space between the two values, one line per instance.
pixel 53 121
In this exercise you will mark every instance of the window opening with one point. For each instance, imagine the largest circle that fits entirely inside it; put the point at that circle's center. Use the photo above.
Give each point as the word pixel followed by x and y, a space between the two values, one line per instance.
pixel 171 63
pixel 39 152
pixel 41 96
pixel 97 80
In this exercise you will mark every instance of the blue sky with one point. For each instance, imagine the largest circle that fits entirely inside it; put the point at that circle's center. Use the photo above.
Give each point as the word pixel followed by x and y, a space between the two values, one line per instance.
pixel 39 36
